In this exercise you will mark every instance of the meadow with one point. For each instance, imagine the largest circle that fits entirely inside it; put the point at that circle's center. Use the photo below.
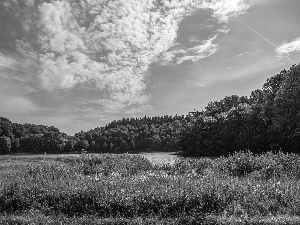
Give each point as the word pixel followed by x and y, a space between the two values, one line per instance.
pixel 144 189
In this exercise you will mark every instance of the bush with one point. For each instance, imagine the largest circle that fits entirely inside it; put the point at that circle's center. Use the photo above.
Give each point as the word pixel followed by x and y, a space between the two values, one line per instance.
pixel 106 164
pixel 264 166
pixel 239 164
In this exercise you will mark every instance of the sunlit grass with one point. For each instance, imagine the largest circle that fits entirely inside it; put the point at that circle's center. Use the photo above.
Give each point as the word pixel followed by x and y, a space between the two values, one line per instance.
pixel 242 187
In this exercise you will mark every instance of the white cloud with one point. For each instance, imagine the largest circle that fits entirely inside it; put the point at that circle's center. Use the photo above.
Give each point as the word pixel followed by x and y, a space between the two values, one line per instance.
pixel 199 52
pixel 166 58
pixel 169 57
pixel 293 46
pixel 209 26
pixel 194 39
pixel 6 61
pixel 223 30
pixel 225 9
pixel 56 72
pixel 242 54
pixel 111 44
pixel 196 53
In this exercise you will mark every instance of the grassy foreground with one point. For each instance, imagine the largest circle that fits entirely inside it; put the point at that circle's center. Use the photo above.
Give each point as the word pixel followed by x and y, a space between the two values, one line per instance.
pixel 129 189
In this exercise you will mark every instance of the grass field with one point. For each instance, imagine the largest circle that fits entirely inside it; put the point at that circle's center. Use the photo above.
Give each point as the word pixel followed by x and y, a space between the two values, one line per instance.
pixel 155 157
pixel 150 189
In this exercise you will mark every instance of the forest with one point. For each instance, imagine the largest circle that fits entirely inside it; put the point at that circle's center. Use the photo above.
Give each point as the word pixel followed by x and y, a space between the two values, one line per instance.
pixel 266 120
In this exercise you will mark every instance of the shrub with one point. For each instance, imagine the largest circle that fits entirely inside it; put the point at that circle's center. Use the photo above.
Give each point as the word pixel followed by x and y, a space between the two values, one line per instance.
pixel 265 166
pixel 106 164
pixel 239 164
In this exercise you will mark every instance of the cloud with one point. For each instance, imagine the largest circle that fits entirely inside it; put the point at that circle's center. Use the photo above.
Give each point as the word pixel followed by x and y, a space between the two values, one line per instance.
pixel 209 26
pixel 196 53
pixel 196 85
pixel 194 39
pixel 199 52
pixel 6 61
pixel 14 67
pixel 109 45
pixel 293 46
pixel 223 30
pixel 225 9
pixel 242 54
pixel 171 56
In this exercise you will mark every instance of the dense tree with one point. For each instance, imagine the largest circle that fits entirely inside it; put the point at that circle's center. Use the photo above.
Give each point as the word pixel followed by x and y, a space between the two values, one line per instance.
pixel 70 145
pixel 31 138
pixel 268 120
pixel 287 110
pixel 5 127
pixel 5 145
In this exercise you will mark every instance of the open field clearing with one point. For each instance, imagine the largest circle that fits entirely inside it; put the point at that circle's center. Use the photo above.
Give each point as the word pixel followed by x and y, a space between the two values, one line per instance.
pixel 131 189
pixel 153 157
pixel 160 157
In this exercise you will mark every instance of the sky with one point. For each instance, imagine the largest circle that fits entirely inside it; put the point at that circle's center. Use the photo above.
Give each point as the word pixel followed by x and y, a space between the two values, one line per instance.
pixel 79 64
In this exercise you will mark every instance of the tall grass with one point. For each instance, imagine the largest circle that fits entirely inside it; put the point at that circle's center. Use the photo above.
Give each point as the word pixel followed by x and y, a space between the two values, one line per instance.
pixel 241 186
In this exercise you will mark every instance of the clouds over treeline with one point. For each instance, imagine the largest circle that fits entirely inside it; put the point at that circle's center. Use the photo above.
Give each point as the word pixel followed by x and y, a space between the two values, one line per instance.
pixel 104 44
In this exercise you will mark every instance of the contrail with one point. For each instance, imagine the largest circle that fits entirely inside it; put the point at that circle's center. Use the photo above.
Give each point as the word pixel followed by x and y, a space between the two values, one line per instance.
pixel 261 35
pixel 288 56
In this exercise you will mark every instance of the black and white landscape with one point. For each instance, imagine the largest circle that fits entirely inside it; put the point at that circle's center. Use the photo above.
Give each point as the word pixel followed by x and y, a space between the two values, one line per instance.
pixel 149 111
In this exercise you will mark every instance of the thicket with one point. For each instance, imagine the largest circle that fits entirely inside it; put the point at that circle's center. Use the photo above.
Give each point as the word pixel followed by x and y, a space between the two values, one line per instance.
pixel 243 186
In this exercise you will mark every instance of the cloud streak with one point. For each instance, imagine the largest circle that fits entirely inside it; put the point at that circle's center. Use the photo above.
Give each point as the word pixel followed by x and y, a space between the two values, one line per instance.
pixel 199 52
pixel 194 54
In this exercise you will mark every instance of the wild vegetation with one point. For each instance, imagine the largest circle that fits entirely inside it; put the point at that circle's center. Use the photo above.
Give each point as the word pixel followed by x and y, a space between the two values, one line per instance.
pixel 127 189
pixel 256 183
pixel 267 120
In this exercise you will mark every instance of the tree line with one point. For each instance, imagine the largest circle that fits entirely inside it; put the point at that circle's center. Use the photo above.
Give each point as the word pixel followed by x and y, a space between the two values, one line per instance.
pixel 30 138
pixel 159 133
pixel 268 119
